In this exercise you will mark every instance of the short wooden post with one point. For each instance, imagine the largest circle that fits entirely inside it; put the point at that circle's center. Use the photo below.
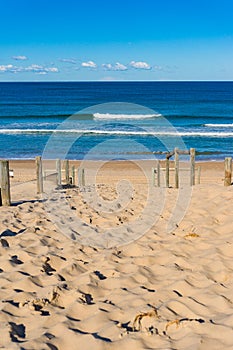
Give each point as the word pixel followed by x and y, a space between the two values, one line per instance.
pixel 5 183
pixel 39 175
pixel 158 173
pixel 176 168
pixel 58 171
pixel 67 171
pixel 199 175
pixel 167 172
pixel 73 174
pixel 192 166
pixel 228 171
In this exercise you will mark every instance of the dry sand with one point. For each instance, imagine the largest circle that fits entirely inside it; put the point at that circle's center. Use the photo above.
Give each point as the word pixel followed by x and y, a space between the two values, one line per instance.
pixel 165 290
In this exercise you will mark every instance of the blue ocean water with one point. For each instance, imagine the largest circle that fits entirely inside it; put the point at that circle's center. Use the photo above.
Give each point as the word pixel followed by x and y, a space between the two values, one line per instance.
pixel 128 120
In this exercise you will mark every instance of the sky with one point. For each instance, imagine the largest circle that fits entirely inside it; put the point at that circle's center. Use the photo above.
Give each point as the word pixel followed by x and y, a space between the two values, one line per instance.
pixel 98 40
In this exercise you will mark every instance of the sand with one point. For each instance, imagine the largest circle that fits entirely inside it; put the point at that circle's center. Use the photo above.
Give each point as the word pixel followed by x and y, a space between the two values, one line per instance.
pixel 155 281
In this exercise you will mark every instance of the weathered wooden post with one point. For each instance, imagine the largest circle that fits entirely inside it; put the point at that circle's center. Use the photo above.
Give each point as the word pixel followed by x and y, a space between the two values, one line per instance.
pixel 228 171
pixel 58 171
pixel 153 176
pixel 39 175
pixel 73 175
pixel 83 177
pixel 5 183
pixel 199 175
pixel 192 166
pixel 79 177
pixel 176 168
pixel 67 171
pixel 167 172
pixel 158 173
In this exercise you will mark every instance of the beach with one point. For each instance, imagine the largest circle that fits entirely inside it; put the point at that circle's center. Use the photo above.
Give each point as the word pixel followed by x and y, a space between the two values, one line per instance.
pixel 161 289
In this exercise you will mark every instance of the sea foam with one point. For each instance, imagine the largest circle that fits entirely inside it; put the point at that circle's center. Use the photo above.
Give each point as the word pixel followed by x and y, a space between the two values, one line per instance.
pixel 118 132
pixel 125 116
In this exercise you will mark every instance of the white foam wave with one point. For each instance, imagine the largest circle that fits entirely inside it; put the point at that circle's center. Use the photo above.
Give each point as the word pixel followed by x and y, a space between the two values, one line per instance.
pixel 117 132
pixel 219 125
pixel 125 116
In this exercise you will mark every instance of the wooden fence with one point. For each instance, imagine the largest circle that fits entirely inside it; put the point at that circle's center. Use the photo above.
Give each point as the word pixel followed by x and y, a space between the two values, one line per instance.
pixel 73 175
pixel 156 172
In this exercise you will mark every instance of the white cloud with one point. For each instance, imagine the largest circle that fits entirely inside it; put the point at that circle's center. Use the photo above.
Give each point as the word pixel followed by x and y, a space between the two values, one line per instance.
pixel 116 67
pixel 67 60
pixel 51 69
pixel 34 68
pixel 20 58
pixel 108 79
pixel 158 67
pixel 140 65
pixel 5 68
pixel 89 64
pixel 40 69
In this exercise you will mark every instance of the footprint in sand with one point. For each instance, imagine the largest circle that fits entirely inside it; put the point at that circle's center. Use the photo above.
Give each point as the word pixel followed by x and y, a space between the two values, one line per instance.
pixel 17 332
pixel 15 261
pixel 47 268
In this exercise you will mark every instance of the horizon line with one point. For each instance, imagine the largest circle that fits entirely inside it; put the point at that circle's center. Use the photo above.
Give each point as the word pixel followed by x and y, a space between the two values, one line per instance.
pixel 115 81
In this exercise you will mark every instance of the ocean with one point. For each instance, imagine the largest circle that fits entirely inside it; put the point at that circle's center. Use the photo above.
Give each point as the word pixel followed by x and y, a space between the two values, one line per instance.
pixel 115 120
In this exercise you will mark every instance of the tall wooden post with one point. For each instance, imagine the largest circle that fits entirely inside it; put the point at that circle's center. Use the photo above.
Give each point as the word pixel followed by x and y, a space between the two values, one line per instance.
pixel 199 175
pixel 79 176
pixel 228 171
pixel 58 171
pixel 153 176
pixel 5 183
pixel 167 172
pixel 192 166
pixel 83 177
pixel 39 175
pixel 67 171
pixel 158 173
pixel 73 174
pixel 176 168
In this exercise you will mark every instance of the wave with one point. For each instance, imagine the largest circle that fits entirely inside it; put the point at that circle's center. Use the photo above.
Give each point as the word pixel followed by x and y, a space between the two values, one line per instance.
pixel 125 116
pixel 117 132
pixel 219 125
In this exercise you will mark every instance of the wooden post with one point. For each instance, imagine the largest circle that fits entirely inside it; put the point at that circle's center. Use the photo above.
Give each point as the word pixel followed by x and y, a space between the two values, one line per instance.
pixel 192 166
pixel 158 173
pixel 67 171
pixel 153 176
pixel 73 174
pixel 39 175
pixel 199 175
pixel 176 168
pixel 79 176
pixel 167 172
pixel 228 171
pixel 83 177
pixel 5 183
pixel 58 171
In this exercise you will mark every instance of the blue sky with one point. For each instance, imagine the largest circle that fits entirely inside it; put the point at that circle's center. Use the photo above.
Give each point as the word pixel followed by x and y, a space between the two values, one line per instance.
pixel 120 40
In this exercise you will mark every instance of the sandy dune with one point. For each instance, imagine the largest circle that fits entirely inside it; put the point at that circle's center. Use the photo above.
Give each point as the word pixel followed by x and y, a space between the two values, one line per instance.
pixel 165 290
